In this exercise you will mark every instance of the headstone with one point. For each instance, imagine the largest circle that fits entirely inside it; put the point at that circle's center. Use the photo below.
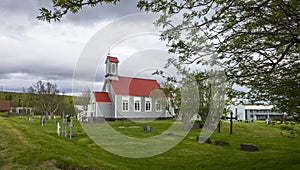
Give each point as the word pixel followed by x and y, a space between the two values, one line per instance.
pixel 203 139
pixel 268 121
pixel 148 128
pixel 221 143
pixel 171 134
pixel 58 128
pixel 32 118
pixel 249 147
pixel 42 120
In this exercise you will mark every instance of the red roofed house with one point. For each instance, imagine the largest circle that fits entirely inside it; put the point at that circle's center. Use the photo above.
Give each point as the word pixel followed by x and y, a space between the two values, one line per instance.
pixel 4 105
pixel 128 97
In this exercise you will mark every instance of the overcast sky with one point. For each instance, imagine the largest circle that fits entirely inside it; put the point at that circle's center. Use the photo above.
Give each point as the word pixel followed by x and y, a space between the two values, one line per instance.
pixel 32 50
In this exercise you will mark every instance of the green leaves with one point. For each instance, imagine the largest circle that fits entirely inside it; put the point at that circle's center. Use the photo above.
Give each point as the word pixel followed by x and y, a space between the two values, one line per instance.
pixel 62 7
pixel 257 42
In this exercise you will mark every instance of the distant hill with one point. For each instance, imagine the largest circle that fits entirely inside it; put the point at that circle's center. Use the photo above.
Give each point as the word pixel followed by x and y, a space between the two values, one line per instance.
pixel 21 99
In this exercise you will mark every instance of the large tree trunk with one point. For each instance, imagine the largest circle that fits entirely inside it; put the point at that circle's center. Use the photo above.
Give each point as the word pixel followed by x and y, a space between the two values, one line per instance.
pixel 186 125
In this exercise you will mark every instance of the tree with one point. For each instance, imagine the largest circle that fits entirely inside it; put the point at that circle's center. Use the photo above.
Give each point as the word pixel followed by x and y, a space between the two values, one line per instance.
pixel 257 42
pixel 62 7
pixel 177 87
pixel 46 97
pixel 84 98
pixel 66 106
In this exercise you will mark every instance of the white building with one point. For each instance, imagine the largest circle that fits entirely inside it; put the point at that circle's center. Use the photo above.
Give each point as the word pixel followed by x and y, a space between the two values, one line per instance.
pixel 128 97
pixel 254 112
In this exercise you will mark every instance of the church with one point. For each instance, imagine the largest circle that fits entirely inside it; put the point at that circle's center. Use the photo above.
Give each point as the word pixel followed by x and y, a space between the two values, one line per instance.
pixel 128 97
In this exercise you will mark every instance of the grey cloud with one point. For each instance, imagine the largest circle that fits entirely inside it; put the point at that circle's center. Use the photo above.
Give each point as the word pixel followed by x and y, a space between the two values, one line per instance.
pixel 27 7
pixel 28 55
pixel 88 15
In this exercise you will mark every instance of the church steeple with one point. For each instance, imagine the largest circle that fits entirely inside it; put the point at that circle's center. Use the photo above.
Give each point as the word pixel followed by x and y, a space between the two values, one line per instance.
pixel 112 70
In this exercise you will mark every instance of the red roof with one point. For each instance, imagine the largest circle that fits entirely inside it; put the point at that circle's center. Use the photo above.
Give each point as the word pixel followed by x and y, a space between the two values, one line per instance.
pixel 169 95
pixel 112 59
pixel 4 105
pixel 134 86
pixel 102 97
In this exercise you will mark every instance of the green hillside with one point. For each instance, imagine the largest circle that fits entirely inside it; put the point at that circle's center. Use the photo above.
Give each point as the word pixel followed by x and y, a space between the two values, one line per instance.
pixel 28 145
pixel 26 100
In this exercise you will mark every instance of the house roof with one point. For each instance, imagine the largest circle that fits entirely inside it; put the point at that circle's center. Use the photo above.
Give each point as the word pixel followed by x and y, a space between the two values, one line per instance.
pixel 169 95
pixel 112 59
pixel 4 105
pixel 101 97
pixel 134 86
pixel 258 107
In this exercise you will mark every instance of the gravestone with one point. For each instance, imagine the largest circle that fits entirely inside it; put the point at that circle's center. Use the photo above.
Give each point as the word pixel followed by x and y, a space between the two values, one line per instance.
pixel 203 139
pixel 221 143
pixel 58 128
pixel 249 147
pixel 171 134
pixel 42 120
pixel 148 128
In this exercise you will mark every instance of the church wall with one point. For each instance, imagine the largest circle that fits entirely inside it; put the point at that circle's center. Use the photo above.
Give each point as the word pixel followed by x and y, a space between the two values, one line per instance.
pixel 141 114
pixel 104 110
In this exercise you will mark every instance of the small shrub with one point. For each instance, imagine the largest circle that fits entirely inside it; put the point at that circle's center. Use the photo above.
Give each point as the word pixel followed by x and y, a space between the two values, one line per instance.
pixel 292 132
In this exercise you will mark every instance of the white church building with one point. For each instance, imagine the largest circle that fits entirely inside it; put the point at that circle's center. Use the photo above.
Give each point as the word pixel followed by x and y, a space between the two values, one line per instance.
pixel 128 97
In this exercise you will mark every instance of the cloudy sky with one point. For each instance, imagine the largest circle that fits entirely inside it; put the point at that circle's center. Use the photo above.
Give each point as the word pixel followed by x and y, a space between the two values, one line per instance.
pixel 32 50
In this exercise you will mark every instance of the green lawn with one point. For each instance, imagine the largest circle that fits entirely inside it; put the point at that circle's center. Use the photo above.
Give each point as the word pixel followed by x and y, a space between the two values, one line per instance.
pixel 28 145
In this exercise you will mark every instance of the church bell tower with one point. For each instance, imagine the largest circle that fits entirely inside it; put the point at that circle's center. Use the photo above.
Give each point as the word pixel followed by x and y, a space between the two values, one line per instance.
pixel 112 70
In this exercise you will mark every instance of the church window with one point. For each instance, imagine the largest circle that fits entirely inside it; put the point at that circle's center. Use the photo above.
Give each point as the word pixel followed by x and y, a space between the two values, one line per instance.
pixel 157 106
pixel 125 104
pixel 147 104
pixel 137 104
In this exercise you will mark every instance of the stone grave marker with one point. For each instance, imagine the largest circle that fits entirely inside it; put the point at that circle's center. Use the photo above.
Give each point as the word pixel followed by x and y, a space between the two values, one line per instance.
pixel 148 128
pixel 58 128
pixel 249 147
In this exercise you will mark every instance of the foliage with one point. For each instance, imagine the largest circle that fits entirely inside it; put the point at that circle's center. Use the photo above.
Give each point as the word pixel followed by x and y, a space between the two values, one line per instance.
pixel 17 99
pixel 45 97
pixel 28 100
pixel 66 106
pixel 62 7
pixel 84 98
pixel 293 131
pixel 257 42
pixel 207 85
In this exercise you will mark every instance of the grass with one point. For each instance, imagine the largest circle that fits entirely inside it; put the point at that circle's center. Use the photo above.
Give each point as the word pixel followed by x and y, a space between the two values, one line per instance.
pixel 28 145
